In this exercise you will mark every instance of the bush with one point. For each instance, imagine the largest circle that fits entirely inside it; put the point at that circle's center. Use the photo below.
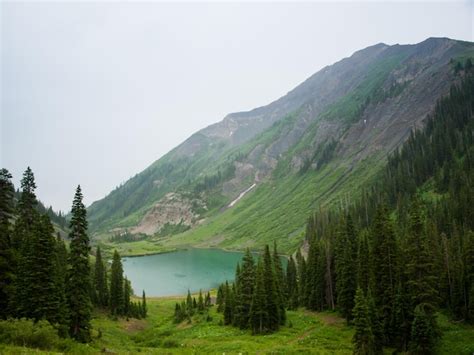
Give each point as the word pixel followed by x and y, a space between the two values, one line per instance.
pixel 170 343
pixel 24 332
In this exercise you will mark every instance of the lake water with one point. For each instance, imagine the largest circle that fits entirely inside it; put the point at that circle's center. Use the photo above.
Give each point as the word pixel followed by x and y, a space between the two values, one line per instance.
pixel 174 273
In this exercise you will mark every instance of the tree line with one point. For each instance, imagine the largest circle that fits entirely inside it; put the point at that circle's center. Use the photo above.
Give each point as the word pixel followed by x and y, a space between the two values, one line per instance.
pixel 186 309
pixel 257 299
pixel 41 278
pixel 392 259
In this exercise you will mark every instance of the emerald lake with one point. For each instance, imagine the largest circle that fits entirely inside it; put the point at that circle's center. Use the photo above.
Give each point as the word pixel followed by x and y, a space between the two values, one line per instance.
pixel 174 273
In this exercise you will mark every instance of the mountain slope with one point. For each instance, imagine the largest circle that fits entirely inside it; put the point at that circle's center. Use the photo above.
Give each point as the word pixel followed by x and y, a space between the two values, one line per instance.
pixel 255 176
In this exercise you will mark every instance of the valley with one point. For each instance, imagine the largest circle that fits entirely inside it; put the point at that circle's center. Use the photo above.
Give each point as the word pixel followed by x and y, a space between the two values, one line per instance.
pixel 337 219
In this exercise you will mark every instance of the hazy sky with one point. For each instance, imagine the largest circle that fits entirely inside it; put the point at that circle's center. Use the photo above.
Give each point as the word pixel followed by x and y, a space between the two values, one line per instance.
pixel 94 92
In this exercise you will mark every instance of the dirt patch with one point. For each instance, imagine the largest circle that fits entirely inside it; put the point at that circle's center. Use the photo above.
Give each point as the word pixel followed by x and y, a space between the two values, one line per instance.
pixel 173 209
pixel 184 325
pixel 133 325
pixel 327 318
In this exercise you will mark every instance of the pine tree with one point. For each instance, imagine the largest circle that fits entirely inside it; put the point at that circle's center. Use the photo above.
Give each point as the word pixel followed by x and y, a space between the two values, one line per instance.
pixel 116 286
pixel 208 302
pixel 346 271
pixel 178 313
pixel 200 306
pixel 384 256
pixel 45 296
pixel 258 317
pixel 27 214
pixel 6 252
pixel 423 331
pixel 280 282
pixel 220 298
pixel 228 304
pixel 272 299
pixel 469 278
pixel 189 304
pixel 79 283
pixel 246 287
pixel 23 237
pixel 420 269
pixel 100 280
pixel 363 262
pixel 61 279
pixel 401 318
pixel 127 292
pixel 316 273
pixel 364 340
pixel 144 308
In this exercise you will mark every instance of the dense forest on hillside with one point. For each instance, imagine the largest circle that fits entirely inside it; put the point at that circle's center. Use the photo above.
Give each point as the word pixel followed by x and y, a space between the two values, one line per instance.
pixel 407 248
pixel 389 262
pixel 43 279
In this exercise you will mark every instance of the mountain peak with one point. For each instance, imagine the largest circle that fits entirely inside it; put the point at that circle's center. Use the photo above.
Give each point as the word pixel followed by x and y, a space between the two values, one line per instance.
pixel 347 114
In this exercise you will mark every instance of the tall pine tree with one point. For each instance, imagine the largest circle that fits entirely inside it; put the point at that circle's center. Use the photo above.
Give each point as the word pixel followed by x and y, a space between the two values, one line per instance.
pixel 6 252
pixel 116 285
pixel 79 283
pixel 100 280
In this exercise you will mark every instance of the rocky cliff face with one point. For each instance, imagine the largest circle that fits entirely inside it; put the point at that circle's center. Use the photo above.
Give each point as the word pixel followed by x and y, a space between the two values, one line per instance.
pixel 361 107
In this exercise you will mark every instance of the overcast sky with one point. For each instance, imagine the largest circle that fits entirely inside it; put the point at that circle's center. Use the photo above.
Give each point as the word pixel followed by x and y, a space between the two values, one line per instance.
pixel 94 92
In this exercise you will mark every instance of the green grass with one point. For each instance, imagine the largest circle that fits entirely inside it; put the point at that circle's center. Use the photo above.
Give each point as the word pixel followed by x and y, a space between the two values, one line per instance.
pixel 141 247
pixel 457 338
pixel 288 203
pixel 322 333
pixel 305 333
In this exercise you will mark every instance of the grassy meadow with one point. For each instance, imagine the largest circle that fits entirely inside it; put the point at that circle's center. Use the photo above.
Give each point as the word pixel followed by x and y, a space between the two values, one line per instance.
pixel 305 333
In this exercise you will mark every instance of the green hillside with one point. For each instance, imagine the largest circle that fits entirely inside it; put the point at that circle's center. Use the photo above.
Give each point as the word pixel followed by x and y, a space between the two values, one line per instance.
pixel 319 146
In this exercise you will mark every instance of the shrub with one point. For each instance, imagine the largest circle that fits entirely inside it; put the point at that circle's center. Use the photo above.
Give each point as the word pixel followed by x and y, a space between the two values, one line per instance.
pixel 170 343
pixel 24 332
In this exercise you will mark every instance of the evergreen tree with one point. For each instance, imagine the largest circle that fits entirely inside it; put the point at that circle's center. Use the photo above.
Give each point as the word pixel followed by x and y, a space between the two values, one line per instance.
pixel 346 272
pixel 272 299
pixel 189 304
pixel 258 317
pixel 79 283
pixel 280 288
pixel 228 304
pixel 200 306
pixel 116 286
pixel 364 340
pixel 127 292
pixel 245 293
pixel 178 313
pixel 363 262
pixel 384 256
pixel 61 279
pixel 6 252
pixel 23 240
pixel 27 214
pixel 100 280
pixel 208 302
pixel 316 275
pixel 423 332
pixel 220 298
pixel 144 306
pixel 45 299
pixel 420 268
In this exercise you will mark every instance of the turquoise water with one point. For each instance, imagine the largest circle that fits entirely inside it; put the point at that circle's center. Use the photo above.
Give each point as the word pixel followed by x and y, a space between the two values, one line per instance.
pixel 174 273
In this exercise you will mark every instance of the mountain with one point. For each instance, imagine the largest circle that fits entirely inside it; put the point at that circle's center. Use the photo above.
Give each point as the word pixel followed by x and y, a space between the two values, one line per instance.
pixel 255 176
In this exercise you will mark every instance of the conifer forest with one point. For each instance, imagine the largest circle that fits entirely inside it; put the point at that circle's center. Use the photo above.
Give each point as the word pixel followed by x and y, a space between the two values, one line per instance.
pixel 336 219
